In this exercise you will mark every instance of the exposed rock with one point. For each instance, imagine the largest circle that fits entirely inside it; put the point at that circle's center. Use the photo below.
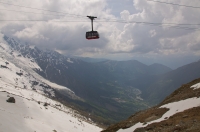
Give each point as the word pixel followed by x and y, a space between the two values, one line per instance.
pixel 11 100
pixel 58 105
pixel 149 128
pixel 153 117
pixel 185 116
pixel 144 123
pixel 140 130
pixel 2 66
pixel 46 104
pixel 35 83
pixel 19 74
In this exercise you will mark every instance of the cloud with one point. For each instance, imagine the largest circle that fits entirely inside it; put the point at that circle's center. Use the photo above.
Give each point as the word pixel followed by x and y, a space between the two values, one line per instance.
pixel 68 37
pixel 153 38
pixel 125 39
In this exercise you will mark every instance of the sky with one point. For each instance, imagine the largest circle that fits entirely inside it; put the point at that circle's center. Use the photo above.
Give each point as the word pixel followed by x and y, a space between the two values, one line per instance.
pixel 163 33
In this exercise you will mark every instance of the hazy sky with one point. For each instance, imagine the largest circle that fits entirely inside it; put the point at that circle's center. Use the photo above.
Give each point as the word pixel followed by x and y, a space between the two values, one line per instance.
pixel 61 25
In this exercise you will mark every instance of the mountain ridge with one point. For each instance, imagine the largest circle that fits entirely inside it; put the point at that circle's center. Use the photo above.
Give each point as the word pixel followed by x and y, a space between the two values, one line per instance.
pixel 172 79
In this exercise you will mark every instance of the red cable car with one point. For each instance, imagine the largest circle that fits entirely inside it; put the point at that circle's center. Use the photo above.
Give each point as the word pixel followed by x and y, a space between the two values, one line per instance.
pixel 92 34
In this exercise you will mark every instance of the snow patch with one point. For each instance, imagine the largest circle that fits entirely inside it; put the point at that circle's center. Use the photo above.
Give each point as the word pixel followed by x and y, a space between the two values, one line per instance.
pixel 180 106
pixel 68 60
pixel 196 86
pixel 1 38
pixel 32 47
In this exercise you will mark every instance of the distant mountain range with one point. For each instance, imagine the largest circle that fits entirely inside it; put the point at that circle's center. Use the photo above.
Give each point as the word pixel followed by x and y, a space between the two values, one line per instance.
pixel 109 90
pixel 164 84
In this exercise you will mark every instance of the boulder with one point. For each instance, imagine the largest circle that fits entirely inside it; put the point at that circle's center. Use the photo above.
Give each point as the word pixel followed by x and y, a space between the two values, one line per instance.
pixel 46 104
pixel 11 100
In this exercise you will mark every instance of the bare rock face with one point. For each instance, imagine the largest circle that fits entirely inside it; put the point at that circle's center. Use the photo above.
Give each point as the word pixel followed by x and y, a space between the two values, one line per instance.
pixel 46 104
pixel 11 100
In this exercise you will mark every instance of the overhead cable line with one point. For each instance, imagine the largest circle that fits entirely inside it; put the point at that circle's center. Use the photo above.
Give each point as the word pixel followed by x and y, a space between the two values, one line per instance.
pixel 137 22
pixel 39 13
pixel 108 20
pixel 152 24
pixel 75 15
pixel 160 25
pixel 41 9
pixel 173 4
pixel 51 11
pixel 174 25
pixel 143 22
pixel 39 21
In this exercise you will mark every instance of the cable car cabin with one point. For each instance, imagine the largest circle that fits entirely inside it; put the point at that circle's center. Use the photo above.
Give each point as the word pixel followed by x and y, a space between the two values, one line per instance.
pixel 92 35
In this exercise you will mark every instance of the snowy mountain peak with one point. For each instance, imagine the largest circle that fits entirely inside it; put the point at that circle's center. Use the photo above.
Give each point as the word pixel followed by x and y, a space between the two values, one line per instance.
pixel 47 63
pixel 23 60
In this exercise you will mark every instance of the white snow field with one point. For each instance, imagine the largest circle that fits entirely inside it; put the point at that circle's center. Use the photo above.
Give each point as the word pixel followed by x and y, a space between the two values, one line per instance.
pixel 30 116
pixel 174 108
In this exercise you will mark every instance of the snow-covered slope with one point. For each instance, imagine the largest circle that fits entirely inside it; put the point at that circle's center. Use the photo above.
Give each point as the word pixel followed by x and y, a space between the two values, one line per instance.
pixel 19 68
pixel 30 114
pixel 18 79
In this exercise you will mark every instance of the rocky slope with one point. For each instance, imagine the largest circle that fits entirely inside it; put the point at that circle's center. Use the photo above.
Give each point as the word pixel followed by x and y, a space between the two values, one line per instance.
pixel 178 112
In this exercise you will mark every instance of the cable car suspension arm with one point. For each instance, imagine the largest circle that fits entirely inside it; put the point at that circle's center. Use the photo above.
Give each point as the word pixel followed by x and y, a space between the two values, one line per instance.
pixel 91 18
